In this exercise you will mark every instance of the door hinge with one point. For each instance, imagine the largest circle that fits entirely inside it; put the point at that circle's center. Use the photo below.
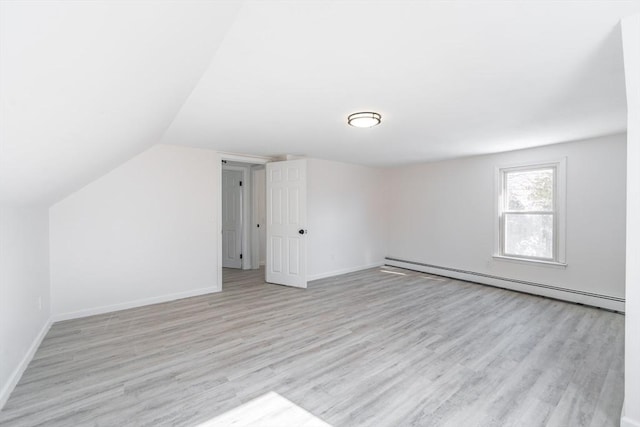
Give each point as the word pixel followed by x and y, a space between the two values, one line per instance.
pixel 240 256
pixel 240 183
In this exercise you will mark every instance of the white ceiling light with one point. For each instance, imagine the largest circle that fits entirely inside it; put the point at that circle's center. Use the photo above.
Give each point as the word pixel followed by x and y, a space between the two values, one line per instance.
pixel 364 119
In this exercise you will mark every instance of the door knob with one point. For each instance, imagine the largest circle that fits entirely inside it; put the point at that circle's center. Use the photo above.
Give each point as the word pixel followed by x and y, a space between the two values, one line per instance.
pixel 301 231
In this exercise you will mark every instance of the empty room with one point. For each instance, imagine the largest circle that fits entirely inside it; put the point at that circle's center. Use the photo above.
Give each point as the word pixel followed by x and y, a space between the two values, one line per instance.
pixel 319 213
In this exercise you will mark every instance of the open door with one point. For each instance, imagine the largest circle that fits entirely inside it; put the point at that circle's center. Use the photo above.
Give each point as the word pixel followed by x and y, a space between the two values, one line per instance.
pixel 286 223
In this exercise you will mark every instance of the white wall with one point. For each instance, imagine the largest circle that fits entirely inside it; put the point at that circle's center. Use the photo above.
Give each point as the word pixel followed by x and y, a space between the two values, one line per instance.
pixel 143 233
pixel 24 290
pixel 443 214
pixel 631 46
pixel 346 218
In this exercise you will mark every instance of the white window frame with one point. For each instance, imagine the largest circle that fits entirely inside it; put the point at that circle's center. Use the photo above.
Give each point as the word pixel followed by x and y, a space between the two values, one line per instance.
pixel 559 211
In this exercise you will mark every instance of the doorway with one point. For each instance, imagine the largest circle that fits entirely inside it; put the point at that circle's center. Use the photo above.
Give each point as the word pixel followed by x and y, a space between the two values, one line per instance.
pixel 242 217
pixel 272 224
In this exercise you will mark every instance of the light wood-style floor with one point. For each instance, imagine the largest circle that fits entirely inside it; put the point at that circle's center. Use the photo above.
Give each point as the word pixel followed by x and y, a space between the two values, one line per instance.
pixel 382 347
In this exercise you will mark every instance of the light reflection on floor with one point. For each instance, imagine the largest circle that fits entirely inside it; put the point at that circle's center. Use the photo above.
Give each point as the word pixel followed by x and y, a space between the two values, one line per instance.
pixel 387 270
pixel 268 410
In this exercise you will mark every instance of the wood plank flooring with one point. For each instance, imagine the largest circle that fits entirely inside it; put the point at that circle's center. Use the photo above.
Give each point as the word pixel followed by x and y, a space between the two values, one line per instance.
pixel 381 347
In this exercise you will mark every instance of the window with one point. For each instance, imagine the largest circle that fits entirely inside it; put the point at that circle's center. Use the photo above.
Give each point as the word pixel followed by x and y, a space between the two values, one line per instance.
pixel 531 212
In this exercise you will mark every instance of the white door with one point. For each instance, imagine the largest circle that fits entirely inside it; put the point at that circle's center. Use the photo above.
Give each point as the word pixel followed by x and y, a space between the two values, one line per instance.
pixel 231 218
pixel 286 223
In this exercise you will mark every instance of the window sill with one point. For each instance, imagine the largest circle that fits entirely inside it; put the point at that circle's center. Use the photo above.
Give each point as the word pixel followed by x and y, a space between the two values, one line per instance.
pixel 530 261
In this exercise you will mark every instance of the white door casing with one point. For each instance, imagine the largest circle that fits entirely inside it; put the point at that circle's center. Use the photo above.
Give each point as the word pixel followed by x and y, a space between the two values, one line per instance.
pixel 232 218
pixel 286 223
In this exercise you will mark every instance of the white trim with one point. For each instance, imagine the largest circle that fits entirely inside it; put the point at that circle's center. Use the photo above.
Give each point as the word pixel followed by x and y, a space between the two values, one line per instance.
pixel 628 422
pixel 559 209
pixel 132 304
pixel 17 373
pixel 291 157
pixel 245 158
pixel 530 261
pixel 568 295
pixel 344 271
pixel 218 196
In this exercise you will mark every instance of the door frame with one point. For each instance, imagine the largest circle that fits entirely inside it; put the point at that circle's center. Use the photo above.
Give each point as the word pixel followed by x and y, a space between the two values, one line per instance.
pixel 249 160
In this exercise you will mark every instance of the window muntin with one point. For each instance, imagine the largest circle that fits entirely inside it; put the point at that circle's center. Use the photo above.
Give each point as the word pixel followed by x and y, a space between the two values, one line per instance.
pixel 528 213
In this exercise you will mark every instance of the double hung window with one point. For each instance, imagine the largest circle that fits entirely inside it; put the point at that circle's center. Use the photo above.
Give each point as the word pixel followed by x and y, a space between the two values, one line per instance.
pixel 531 212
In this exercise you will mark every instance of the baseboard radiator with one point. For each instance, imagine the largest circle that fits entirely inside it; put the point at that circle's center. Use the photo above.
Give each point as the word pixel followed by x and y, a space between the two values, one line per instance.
pixel 572 295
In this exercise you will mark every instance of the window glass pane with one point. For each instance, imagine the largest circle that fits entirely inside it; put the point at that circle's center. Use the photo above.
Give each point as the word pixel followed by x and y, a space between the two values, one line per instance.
pixel 529 190
pixel 529 235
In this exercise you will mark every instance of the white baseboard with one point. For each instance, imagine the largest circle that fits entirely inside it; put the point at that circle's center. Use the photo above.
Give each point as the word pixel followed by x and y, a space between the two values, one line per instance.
pixel 17 373
pixel 132 304
pixel 570 295
pixel 628 422
pixel 343 271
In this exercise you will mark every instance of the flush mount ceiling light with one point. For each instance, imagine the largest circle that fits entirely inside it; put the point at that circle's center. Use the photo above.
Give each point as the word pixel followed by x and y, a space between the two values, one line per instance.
pixel 364 119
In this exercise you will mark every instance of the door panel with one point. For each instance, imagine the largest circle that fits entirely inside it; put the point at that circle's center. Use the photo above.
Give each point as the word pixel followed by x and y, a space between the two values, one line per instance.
pixel 286 216
pixel 231 219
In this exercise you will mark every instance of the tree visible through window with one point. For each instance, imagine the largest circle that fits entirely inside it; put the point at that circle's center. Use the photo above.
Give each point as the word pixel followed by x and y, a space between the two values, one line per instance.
pixel 528 214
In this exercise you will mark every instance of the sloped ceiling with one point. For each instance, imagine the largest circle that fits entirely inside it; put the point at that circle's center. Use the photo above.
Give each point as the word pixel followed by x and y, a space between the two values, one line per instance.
pixel 86 85
pixel 450 78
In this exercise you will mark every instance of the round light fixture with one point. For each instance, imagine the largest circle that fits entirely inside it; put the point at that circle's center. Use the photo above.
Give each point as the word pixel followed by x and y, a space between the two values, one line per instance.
pixel 364 119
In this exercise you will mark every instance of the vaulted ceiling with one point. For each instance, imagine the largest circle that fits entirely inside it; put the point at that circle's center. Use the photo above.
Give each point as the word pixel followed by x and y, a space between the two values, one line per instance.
pixel 86 85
